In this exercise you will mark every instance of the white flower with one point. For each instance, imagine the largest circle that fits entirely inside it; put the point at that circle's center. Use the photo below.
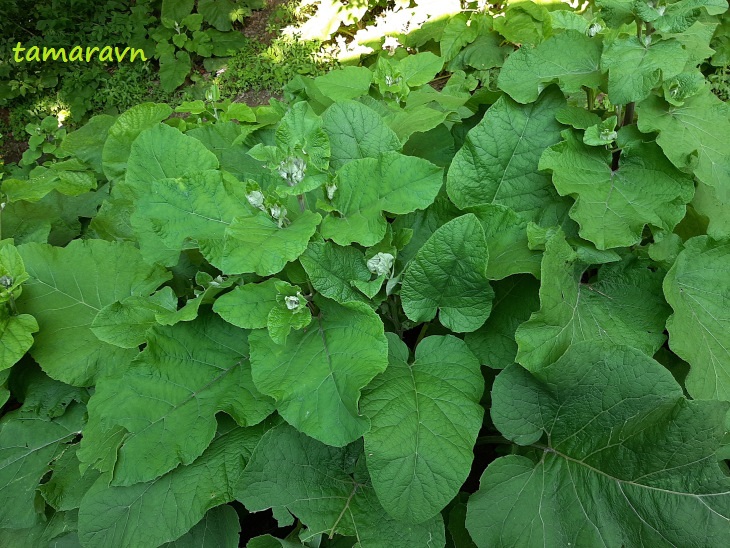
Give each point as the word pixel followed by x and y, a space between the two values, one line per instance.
pixel 292 170
pixel 608 135
pixel 381 263
pixel 292 303
pixel 6 281
pixel 331 191
pixel 277 211
pixel 594 29
pixel 256 199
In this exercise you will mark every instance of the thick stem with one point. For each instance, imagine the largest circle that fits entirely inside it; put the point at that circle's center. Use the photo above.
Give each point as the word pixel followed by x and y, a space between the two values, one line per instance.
pixel 393 309
pixel 591 98
pixel 422 333
pixel 629 114
pixel 302 202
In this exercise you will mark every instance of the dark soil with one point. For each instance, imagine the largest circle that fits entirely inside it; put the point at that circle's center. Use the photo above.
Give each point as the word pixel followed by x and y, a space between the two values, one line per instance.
pixel 255 29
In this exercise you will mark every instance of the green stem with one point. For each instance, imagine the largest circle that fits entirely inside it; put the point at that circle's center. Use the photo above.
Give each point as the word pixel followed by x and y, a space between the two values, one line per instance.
pixel 638 29
pixel 629 114
pixel 591 97
pixel 393 308
pixel 302 202
pixel 422 333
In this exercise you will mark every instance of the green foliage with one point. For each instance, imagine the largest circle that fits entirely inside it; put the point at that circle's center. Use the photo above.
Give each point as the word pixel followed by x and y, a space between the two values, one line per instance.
pixel 328 308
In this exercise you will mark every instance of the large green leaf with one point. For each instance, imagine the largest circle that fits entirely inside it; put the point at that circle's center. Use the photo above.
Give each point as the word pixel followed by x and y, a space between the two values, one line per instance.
pixel 623 304
pixel 613 205
pixel 162 152
pixel 697 288
pixel 392 183
pixel 425 417
pixel 174 69
pixel 189 212
pixel 499 160
pixel 326 490
pixel 356 132
pixel 449 274
pixel 67 288
pixel 124 131
pixel 27 445
pixel 248 306
pixel 635 68
pixel 317 376
pixel 570 58
pixel 167 399
pixel 163 509
pixel 700 127
pixel 619 458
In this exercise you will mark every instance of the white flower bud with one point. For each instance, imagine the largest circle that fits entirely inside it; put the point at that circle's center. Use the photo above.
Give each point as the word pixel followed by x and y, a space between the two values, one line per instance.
pixel 608 135
pixel 292 170
pixel 594 29
pixel 6 281
pixel 331 191
pixel 292 303
pixel 256 199
pixel 381 263
pixel 277 211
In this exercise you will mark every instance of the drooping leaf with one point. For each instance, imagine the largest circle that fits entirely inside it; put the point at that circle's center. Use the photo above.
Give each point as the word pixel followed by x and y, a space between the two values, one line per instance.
pixel 569 58
pixel 623 304
pixel 67 289
pixel 697 128
pixel 697 289
pixel 167 399
pixel 613 205
pixel 322 492
pixel 425 417
pixel 16 337
pixel 149 514
pixel 317 376
pixel 368 187
pixel 499 160
pixel 449 274
pixel 624 458
pixel 27 446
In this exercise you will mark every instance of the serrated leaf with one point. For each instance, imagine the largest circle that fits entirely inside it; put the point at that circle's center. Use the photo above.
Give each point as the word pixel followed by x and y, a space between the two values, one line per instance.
pixel 623 305
pixel 624 458
pixel 613 206
pixel 257 244
pixel 368 187
pixel 332 269
pixel 499 160
pixel 569 58
pixel 449 274
pixel 634 68
pixel 356 131
pixel 425 417
pixel 697 289
pixel 149 514
pixel 67 289
pixel 316 378
pixel 320 491
pixel 27 446
pixel 67 486
pixel 167 399
pixel 699 127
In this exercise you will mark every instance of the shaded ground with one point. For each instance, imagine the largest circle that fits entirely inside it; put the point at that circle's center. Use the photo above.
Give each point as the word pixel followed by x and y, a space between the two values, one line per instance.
pixel 11 150
pixel 255 29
